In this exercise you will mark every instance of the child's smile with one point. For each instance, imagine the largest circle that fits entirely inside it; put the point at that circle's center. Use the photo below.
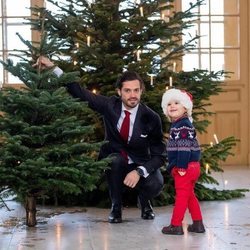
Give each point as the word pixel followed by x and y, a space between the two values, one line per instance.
pixel 175 110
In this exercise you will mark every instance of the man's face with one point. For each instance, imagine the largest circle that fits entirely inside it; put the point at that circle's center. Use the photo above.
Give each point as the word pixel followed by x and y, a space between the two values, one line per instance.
pixel 130 93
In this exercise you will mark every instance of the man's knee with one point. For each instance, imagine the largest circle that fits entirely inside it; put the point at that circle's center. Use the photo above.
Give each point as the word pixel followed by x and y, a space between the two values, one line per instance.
pixel 118 161
pixel 157 188
pixel 153 184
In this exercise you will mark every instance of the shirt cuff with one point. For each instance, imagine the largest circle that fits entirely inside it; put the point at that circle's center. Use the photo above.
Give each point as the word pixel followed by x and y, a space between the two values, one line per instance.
pixel 146 174
pixel 57 71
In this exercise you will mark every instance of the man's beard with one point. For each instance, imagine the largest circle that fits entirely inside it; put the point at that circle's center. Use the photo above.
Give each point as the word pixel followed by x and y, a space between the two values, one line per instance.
pixel 132 103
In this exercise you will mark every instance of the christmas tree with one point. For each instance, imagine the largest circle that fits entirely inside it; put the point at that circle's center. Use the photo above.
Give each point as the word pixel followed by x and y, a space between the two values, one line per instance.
pixel 47 147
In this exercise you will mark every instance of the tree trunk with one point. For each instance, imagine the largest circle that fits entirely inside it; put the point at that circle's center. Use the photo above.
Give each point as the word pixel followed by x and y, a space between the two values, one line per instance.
pixel 30 206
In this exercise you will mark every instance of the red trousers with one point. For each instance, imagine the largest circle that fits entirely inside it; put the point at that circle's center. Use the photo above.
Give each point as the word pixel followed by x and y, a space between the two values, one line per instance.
pixel 184 194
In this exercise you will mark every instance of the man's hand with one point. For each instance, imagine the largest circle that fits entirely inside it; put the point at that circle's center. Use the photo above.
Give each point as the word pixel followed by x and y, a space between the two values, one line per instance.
pixel 43 63
pixel 131 179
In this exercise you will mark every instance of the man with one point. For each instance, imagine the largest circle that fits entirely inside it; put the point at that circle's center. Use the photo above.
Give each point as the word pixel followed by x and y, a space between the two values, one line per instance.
pixel 134 140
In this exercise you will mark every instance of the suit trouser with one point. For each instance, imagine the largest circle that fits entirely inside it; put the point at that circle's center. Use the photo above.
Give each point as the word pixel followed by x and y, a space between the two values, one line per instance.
pixel 185 196
pixel 147 187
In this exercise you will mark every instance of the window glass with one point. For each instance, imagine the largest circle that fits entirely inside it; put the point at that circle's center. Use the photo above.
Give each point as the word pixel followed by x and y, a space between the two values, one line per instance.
pixel 217 7
pixel 218 47
pixel 203 8
pixel 224 7
pixel 14 41
pixel 204 59
pixel 205 36
pixel 190 61
pixel 13 79
pixel 217 35
pixel 52 7
pixel 191 33
pixel 18 7
pixel 217 60
pixel 13 14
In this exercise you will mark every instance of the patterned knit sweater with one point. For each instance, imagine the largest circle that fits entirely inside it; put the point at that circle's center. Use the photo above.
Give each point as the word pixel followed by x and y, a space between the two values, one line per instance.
pixel 182 145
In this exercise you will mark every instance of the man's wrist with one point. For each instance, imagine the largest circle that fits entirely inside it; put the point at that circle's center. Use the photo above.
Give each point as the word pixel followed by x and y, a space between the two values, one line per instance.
pixel 142 171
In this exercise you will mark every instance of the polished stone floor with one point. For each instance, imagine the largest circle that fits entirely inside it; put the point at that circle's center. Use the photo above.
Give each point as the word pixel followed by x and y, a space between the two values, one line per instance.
pixel 227 225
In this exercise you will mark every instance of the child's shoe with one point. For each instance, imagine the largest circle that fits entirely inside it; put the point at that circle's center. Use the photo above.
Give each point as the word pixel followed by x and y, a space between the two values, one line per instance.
pixel 173 230
pixel 196 227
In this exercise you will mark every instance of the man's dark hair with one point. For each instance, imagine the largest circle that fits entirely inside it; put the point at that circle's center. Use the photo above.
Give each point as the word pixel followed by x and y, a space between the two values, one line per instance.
pixel 129 76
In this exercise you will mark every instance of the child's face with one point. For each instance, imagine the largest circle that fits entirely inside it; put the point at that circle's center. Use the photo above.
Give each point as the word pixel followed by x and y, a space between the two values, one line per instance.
pixel 175 110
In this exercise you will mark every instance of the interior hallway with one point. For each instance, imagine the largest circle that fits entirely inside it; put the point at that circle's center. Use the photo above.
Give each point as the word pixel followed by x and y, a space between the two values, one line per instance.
pixel 227 226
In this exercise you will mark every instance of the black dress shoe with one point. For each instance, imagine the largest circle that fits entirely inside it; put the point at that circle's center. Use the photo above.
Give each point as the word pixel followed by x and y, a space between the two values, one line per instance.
pixel 147 213
pixel 115 216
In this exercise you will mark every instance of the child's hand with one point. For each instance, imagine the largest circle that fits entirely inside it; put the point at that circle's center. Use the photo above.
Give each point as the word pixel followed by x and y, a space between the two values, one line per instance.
pixel 182 172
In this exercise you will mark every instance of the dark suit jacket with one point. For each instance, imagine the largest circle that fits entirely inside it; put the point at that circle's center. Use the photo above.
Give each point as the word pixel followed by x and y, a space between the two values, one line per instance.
pixel 146 146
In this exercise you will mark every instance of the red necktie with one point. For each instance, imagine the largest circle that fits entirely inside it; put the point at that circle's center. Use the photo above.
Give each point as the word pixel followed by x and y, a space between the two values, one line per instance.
pixel 124 131
pixel 125 126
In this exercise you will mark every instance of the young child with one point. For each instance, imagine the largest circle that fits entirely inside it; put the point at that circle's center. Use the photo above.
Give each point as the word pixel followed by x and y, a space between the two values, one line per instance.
pixel 183 160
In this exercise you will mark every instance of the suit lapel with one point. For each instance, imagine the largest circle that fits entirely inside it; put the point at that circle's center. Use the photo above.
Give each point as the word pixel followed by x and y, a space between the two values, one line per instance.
pixel 137 124
pixel 117 113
